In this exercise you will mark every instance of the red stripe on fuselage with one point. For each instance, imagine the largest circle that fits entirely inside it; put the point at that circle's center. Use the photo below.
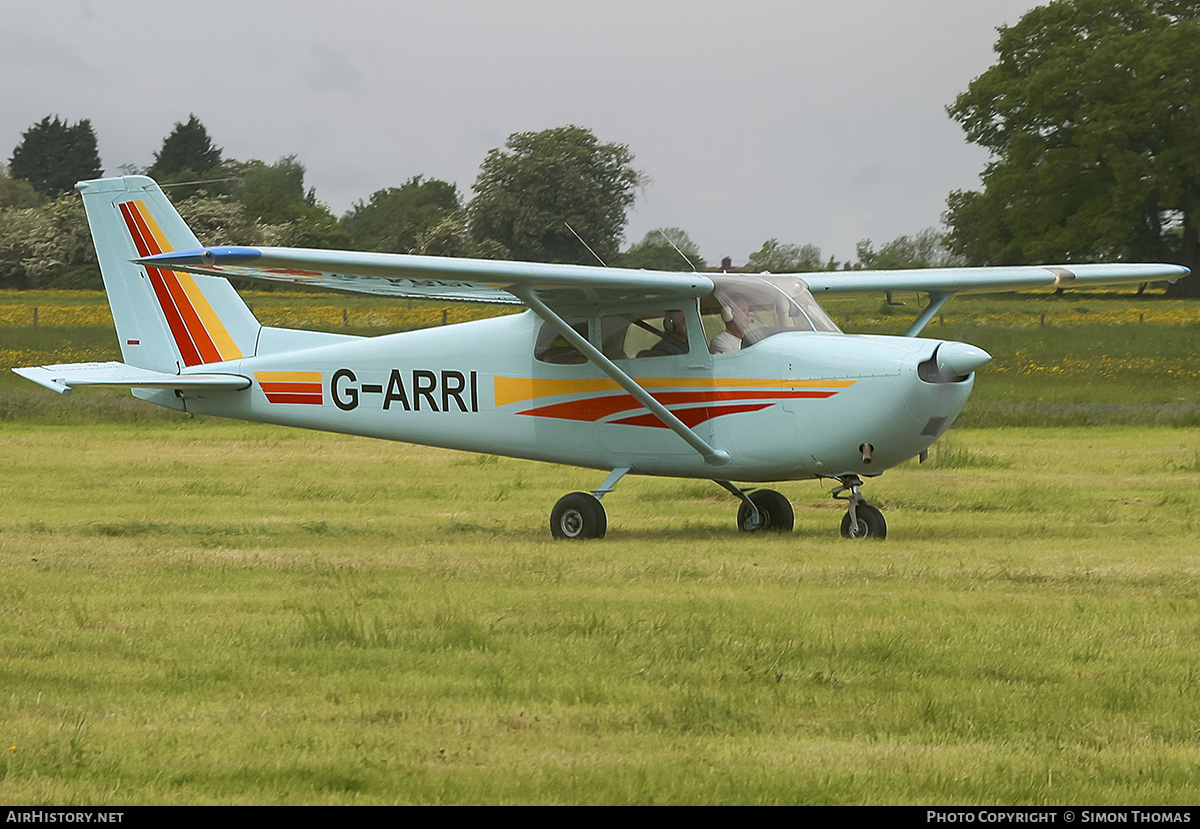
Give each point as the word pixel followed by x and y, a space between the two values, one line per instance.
pixel 311 399
pixel 291 388
pixel 595 408
pixel 691 417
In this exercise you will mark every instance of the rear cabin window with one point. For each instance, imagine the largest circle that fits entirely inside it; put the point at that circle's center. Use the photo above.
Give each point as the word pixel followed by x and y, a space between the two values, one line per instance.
pixel 552 347
pixel 634 336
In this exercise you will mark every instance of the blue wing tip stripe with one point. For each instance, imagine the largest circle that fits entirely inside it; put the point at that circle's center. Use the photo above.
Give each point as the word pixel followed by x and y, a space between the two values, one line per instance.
pixel 226 255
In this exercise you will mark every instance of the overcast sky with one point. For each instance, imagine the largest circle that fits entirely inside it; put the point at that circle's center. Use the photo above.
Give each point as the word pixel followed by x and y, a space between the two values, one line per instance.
pixel 812 122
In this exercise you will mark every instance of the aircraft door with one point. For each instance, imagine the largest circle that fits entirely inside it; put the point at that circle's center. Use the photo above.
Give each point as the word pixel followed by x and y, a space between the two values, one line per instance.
pixel 661 350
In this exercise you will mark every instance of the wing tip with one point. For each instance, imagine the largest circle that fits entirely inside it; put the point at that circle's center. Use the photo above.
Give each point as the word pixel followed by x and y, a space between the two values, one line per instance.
pixel 203 257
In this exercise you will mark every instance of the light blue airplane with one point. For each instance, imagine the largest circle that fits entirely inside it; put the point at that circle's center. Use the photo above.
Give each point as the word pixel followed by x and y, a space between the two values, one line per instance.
pixel 717 376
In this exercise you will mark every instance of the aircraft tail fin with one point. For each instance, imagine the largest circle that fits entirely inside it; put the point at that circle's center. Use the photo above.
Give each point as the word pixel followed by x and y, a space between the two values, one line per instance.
pixel 166 320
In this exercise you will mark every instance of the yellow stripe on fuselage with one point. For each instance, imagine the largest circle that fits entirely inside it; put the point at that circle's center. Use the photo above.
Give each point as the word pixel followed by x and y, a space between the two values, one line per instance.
pixel 288 376
pixel 521 389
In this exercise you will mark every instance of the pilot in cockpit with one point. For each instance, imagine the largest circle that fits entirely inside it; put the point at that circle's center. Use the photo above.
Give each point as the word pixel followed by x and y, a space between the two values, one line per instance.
pixel 674 337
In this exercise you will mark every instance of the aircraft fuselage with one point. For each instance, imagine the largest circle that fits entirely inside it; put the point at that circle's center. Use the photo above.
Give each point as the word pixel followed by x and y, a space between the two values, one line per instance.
pixel 797 405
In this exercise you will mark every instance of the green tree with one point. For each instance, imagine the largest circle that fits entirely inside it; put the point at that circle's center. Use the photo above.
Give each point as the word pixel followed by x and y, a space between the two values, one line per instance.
pixel 660 250
pixel 396 218
pixel 218 220
pixel 1091 113
pixel 450 237
pixel 528 193
pixel 273 196
pixel 53 155
pixel 776 257
pixel 187 154
pixel 273 193
pixel 921 250
pixel 17 193
pixel 48 246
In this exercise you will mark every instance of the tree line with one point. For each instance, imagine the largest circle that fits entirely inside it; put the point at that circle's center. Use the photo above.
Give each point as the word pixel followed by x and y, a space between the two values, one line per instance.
pixel 558 195
pixel 1090 113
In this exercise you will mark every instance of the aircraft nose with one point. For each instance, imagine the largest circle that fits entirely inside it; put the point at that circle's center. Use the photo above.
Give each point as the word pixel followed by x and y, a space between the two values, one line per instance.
pixel 960 358
pixel 952 363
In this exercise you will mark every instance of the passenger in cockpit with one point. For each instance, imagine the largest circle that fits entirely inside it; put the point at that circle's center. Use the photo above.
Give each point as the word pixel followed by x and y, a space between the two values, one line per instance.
pixel 736 316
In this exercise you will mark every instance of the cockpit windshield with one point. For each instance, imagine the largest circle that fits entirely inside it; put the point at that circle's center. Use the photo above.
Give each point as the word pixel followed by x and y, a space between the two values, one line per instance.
pixel 745 309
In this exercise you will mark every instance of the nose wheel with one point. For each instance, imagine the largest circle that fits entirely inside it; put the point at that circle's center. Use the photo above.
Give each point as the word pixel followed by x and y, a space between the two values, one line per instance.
pixel 861 519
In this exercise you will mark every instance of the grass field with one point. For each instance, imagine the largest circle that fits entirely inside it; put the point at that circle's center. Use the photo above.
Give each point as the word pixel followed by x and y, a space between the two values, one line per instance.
pixel 199 611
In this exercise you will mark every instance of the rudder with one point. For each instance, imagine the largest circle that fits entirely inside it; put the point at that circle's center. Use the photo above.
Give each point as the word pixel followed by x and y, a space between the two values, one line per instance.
pixel 165 320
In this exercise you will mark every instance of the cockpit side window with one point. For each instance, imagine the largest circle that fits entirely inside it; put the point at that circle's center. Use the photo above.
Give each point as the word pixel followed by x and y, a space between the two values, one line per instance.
pixel 652 334
pixel 552 347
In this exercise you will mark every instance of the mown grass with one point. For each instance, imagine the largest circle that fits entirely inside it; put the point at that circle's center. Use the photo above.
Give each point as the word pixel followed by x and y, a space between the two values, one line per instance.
pixel 200 611
pixel 208 612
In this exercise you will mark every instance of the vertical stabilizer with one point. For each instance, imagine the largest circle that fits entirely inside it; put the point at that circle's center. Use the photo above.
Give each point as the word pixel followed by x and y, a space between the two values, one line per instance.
pixel 166 320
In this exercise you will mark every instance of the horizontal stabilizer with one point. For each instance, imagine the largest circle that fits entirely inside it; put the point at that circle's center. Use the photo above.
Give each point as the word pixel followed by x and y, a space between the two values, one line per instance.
pixel 66 376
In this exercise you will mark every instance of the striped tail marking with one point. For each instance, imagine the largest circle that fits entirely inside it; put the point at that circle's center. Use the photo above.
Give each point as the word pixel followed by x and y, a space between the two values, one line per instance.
pixel 198 331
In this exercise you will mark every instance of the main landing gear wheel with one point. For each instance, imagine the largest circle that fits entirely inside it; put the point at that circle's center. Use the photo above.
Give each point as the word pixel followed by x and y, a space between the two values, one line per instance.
pixel 774 512
pixel 578 515
pixel 870 523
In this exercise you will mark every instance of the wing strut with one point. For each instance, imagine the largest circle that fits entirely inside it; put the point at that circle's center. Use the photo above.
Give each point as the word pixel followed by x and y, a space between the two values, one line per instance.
pixel 936 301
pixel 711 455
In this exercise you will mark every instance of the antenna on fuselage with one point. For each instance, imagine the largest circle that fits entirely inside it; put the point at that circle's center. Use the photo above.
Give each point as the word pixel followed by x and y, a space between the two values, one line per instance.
pixel 585 244
pixel 202 181
pixel 677 250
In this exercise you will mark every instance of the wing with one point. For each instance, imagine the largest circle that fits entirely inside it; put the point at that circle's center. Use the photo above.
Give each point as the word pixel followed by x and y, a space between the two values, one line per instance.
pixel 988 280
pixel 943 283
pixel 482 280
pixel 436 277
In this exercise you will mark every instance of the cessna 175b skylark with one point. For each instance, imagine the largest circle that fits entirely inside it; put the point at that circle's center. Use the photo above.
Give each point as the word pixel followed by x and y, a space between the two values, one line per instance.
pixel 725 377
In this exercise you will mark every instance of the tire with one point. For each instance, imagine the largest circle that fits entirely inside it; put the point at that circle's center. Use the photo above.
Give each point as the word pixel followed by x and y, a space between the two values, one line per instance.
pixel 774 509
pixel 578 515
pixel 871 523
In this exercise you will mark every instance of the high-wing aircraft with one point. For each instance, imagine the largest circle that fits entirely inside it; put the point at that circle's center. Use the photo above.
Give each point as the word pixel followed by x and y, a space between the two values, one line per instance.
pixel 718 376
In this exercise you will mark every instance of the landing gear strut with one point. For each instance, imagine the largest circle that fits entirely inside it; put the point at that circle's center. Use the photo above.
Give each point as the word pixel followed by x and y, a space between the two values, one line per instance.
pixel 861 519
pixel 762 509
